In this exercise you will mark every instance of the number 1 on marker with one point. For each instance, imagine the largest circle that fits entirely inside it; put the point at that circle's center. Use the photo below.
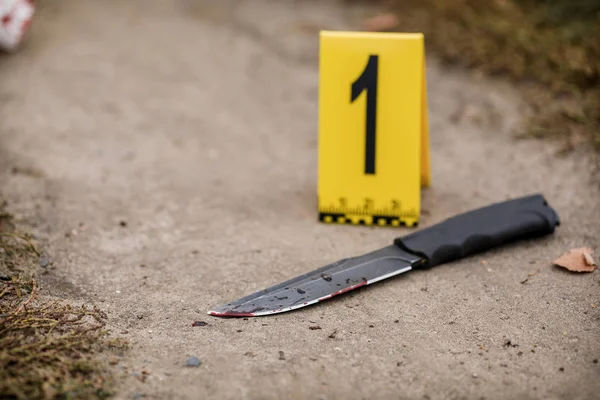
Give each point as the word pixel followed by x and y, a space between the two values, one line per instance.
pixel 368 81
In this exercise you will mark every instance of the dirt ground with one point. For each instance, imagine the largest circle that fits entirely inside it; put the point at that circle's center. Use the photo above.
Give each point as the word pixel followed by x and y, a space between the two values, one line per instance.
pixel 164 153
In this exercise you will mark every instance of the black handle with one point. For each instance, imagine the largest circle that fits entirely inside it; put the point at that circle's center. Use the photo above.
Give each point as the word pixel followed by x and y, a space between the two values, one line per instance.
pixel 482 229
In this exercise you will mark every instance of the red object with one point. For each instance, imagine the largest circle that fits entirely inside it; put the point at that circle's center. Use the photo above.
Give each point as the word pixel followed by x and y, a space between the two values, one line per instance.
pixel 16 19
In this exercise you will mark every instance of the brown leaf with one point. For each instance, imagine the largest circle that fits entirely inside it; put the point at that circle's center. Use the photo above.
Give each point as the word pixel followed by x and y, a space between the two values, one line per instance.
pixel 577 260
pixel 381 22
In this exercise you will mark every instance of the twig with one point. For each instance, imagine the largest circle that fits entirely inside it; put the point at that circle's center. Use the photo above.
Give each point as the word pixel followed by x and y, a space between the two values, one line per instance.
pixel 31 296
pixel 6 290
pixel 530 275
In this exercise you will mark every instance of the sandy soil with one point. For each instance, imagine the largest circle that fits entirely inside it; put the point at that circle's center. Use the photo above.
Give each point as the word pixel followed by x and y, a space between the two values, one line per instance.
pixel 165 155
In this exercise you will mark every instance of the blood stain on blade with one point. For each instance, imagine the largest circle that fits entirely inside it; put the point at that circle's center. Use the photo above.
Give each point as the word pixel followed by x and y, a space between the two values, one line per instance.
pixel 298 301
pixel 363 283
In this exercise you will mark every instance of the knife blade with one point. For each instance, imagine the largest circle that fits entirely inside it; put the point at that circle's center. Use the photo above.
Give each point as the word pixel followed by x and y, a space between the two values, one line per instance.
pixel 455 238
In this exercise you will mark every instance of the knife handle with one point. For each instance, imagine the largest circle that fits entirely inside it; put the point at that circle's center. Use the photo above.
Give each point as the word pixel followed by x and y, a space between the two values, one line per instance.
pixel 482 229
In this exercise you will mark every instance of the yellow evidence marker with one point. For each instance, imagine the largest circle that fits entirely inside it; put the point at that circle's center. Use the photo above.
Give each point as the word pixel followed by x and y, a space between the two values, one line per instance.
pixel 373 155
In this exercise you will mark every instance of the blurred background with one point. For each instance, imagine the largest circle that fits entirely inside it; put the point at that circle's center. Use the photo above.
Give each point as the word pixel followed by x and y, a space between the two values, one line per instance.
pixel 551 48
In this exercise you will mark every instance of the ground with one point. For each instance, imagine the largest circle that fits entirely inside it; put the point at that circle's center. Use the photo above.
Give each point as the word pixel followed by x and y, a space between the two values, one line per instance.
pixel 164 154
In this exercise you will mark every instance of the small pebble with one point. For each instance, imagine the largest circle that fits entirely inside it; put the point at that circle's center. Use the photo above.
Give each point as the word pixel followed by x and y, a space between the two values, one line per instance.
pixel 199 323
pixel 193 362
pixel 44 261
pixel 561 369
pixel 595 361
pixel 123 223
pixel 281 355
pixel 475 375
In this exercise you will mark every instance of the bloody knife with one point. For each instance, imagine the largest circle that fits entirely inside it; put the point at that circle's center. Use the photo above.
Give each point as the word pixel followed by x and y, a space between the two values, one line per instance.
pixel 452 239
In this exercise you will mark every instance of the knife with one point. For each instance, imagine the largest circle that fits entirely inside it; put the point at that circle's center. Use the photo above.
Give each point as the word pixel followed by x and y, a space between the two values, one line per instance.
pixel 460 236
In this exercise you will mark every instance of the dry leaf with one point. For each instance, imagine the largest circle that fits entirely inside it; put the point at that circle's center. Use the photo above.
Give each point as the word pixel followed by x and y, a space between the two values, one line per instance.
pixel 577 260
pixel 382 22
